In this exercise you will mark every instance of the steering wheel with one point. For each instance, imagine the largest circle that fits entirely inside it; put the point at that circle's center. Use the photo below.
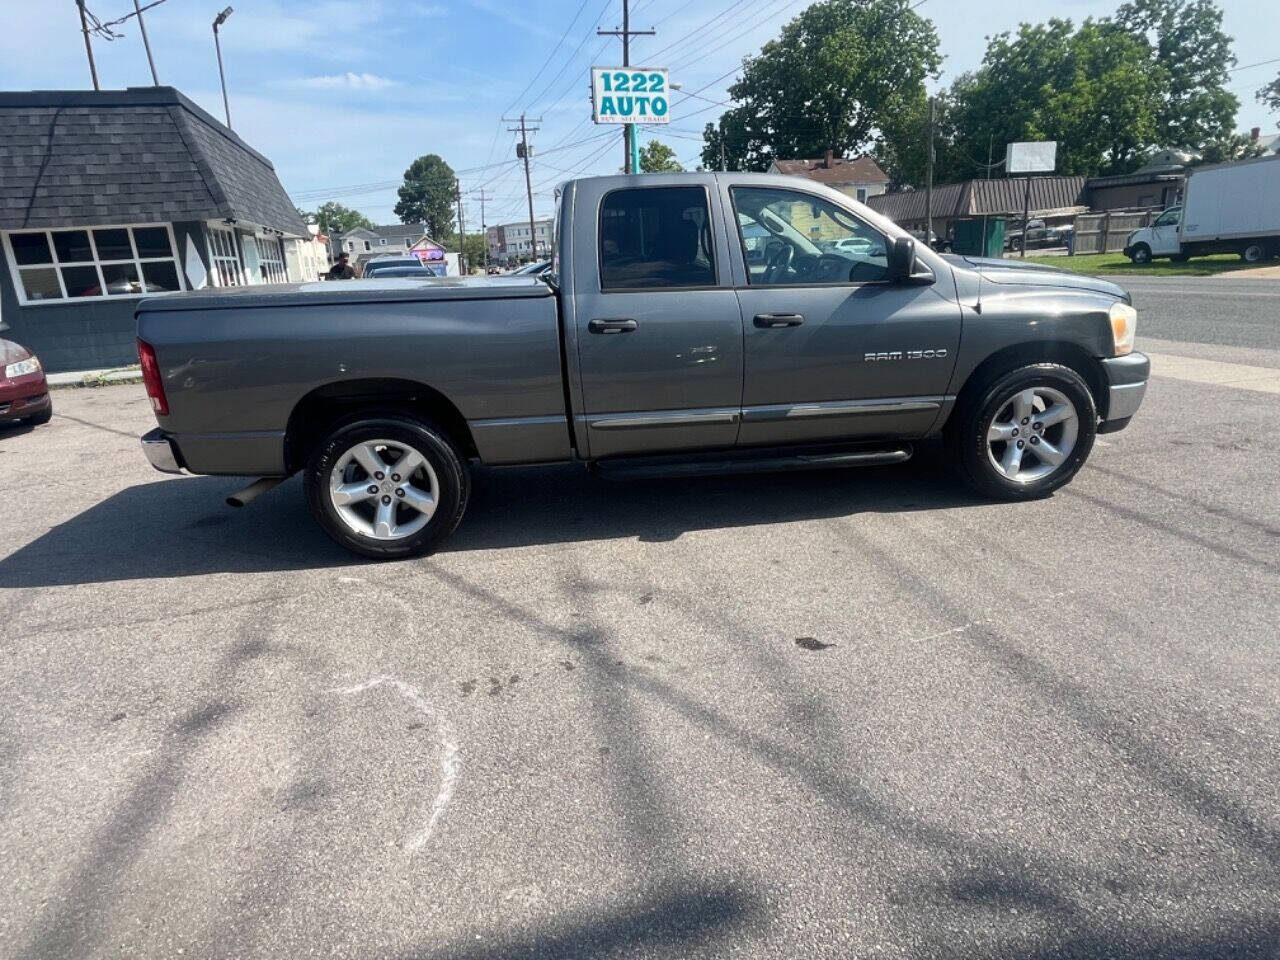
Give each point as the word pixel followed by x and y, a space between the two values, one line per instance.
pixel 778 263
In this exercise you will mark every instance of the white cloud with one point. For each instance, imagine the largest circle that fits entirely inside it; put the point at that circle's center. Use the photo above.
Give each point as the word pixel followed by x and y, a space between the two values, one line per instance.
pixel 346 81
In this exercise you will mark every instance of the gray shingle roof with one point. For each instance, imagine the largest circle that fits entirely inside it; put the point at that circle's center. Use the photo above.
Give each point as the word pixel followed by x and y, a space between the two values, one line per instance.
pixel 1049 196
pixel 146 154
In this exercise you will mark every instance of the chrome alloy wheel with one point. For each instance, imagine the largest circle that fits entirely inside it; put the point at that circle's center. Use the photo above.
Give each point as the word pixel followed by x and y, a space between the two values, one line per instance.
pixel 384 489
pixel 1032 434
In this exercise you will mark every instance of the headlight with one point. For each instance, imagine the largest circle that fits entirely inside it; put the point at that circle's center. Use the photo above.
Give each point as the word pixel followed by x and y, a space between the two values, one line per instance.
pixel 22 368
pixel 1124 324
pixel 1129 239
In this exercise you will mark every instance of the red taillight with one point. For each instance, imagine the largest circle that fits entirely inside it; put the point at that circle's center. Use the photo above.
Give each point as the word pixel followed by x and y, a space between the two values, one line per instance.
pixel 151 378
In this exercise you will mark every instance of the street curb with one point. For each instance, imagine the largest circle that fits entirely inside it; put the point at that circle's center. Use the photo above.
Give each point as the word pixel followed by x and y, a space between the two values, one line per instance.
pixel 93 378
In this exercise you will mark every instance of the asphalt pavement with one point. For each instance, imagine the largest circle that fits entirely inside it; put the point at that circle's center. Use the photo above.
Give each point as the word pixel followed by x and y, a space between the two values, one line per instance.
pixel 838 714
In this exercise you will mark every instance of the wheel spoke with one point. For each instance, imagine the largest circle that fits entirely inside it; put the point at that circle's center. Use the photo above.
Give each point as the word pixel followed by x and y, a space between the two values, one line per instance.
pixel 348 493
pixel 368 457
pixel 1000 431
pixel 1011 462
pixel 1024 404
pixel 421 501
pixel 1058 413
pixel 1048 454
pixel 407 464
pixel 384 520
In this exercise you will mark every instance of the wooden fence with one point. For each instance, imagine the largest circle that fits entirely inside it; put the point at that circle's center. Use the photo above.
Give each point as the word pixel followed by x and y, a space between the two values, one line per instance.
pixel 1107 232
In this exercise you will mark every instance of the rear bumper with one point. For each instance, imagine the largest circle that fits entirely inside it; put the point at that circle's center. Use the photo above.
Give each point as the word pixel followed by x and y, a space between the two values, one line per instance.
pixel 1126 386
pixel 160 451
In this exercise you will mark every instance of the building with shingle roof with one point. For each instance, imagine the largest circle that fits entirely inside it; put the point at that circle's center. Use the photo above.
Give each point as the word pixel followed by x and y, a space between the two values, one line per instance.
pixel 107 196
pixel 860 177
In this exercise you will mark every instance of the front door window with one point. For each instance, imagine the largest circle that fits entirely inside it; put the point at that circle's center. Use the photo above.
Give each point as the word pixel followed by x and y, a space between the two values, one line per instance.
pixel 789 237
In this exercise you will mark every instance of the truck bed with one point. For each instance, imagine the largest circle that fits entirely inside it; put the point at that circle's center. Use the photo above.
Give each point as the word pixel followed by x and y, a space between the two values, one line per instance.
pixel 241 365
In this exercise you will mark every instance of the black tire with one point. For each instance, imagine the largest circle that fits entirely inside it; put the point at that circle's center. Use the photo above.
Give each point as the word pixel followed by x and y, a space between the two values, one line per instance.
pixel 1141 254
pixel 41 418
pixel 436 447
pixel 1253 253
pixel 966 435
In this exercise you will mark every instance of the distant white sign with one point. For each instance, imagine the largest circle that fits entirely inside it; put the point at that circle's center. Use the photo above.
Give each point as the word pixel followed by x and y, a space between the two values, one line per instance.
pixel 1038 156
pixel 630 95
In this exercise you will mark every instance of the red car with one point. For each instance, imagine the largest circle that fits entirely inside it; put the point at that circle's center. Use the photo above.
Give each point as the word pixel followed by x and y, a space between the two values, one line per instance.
pixel 24 392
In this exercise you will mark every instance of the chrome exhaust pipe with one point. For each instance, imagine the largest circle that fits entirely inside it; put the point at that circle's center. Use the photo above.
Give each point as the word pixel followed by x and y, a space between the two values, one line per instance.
pixel 253 491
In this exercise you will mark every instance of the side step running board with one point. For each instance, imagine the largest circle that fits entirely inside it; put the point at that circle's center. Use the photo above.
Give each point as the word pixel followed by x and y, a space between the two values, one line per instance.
pixel 652 470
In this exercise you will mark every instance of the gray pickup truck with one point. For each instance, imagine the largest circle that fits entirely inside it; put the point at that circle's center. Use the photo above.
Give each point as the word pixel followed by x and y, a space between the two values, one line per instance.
pixel 690 322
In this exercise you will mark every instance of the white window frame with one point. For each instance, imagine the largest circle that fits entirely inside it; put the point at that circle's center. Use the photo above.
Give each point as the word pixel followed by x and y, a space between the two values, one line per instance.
pixel 382 241
pixel 272 268
pixel 56 265
pixel 234 263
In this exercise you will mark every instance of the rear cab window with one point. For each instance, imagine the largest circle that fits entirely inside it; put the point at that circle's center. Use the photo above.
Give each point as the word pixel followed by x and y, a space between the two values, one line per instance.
pixel 656 238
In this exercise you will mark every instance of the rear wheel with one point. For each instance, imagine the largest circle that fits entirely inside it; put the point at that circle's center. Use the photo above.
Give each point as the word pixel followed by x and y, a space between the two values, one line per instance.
pixel 1253 253
pixel 387 487
pixel 1025 434
pixel 1141 254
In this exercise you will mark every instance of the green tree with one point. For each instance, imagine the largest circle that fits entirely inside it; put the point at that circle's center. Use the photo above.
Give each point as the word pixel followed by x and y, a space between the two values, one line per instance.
pixel 473 250
pixel 427 196
pixel 333 217
pixel 1194 54
pixel 657 157
pixel 831 78
pixel 1096 90
pixel 1228 149
pixel 1270 96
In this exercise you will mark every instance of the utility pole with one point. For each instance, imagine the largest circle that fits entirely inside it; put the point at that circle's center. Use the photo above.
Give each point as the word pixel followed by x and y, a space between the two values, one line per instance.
pixel 462 234
pixel 142 27
pixel 630 141
pixel 991 140
pixel 88 47
pixel 928 184
pixel 723 168
pixel 522 151
pixel 484 229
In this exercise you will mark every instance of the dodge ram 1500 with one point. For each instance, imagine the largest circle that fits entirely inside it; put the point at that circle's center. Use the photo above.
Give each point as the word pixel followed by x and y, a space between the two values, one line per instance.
pixel 689 321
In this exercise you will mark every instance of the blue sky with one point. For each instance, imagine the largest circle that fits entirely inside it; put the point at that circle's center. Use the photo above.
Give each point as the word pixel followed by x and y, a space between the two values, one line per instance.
pixel 343 95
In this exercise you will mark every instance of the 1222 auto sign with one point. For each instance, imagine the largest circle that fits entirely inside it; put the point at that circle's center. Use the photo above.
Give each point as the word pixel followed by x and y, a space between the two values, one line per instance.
pixel 630 95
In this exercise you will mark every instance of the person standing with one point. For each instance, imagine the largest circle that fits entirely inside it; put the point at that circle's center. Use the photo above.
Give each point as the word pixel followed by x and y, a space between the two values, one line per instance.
pixel 343 270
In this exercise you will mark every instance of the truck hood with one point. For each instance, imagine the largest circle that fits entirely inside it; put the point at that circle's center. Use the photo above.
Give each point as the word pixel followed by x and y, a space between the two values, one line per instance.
pixel 1033 274
pixel 373 289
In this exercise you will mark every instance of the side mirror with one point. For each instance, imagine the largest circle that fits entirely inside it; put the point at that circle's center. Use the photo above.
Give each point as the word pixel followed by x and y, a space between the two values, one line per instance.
pixel 902 259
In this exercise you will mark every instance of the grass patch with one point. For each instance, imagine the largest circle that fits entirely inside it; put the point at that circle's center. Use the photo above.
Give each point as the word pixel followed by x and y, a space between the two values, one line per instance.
pixel 1118 263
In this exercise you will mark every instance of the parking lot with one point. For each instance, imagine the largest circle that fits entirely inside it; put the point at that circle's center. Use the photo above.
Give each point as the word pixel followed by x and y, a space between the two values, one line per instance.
pixel 830 714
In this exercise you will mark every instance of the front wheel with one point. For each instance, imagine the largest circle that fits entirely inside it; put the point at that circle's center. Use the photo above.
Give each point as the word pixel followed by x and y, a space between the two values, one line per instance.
pixel 388 487
pixel 1025 434
pixel 1141 254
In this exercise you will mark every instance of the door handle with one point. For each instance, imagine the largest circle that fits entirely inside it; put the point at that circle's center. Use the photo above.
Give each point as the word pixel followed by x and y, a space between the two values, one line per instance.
pixel 611 326
pixel 770 320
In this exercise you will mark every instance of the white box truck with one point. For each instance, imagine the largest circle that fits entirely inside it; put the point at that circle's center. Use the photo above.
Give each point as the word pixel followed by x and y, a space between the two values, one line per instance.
pixel 1226 208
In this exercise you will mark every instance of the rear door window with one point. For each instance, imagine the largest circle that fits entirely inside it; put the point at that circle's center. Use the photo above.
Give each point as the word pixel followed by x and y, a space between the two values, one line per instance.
pixel 656 237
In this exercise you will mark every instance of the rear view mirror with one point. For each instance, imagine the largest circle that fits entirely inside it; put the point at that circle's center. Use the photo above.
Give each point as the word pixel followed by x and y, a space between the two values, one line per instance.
pixel 902 259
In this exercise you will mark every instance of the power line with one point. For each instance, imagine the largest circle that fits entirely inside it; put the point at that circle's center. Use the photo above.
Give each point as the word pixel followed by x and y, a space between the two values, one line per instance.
pixel 573 56
pixel 696 32
pixel 1249 66
pixel 547 61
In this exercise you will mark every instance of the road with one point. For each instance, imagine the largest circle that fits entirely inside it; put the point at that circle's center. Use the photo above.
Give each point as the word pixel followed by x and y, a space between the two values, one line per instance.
pixel 844 714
